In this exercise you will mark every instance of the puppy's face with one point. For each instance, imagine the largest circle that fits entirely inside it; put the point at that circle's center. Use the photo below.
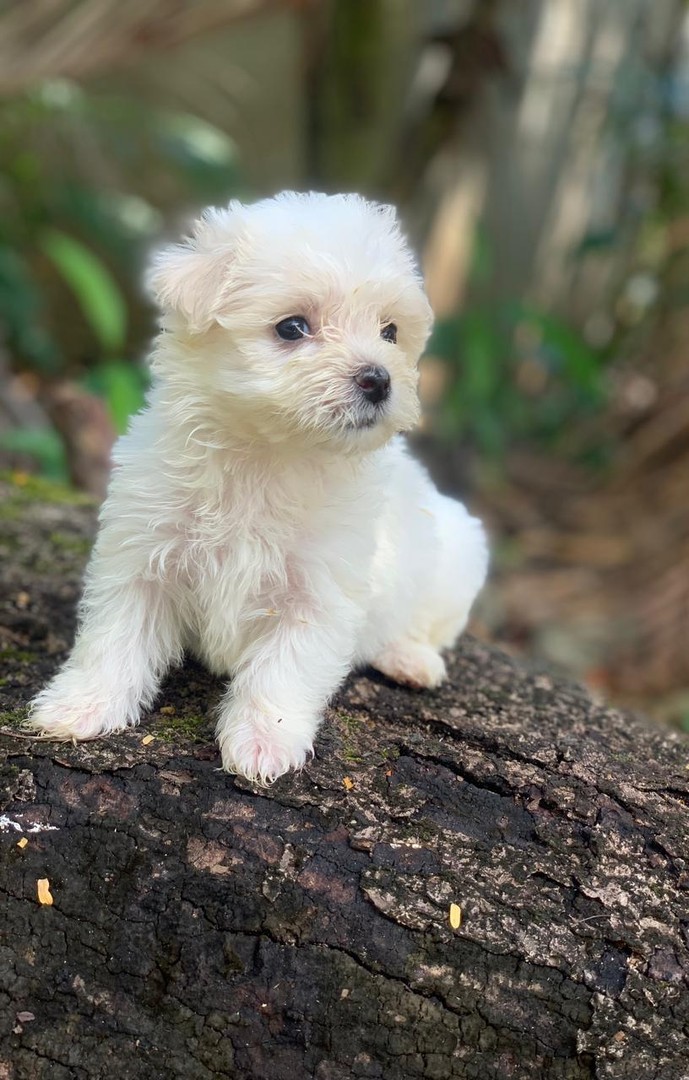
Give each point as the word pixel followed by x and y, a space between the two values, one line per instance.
pixel 300 318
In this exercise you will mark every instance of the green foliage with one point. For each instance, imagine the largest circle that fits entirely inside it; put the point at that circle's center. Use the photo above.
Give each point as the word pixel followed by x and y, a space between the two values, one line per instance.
pixel 21 311
pixel 122 385
pixel 86 184
pixel 517 372
pixel 99 296
pixel 42 444
pixel 103 306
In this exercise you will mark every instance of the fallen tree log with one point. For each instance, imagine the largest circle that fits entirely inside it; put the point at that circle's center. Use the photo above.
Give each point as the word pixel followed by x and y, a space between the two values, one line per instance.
pixel 203 927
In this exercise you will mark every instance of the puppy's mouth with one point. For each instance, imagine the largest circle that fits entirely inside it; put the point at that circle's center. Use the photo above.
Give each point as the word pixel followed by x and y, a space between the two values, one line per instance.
pixel 365 421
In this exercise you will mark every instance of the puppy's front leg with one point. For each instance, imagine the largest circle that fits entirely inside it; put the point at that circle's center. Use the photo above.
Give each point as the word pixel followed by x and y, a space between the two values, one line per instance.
pixel 270 714
pixel 127 637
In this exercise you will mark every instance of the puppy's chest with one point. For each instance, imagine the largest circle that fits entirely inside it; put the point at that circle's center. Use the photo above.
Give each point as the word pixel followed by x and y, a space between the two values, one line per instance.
pixel 253 545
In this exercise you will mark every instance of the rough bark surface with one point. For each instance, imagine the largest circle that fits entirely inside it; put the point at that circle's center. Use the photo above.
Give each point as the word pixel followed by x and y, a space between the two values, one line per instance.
pixel 203 927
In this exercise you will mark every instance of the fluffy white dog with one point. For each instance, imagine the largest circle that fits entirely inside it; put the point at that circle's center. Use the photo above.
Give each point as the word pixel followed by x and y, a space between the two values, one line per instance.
pixel 262 512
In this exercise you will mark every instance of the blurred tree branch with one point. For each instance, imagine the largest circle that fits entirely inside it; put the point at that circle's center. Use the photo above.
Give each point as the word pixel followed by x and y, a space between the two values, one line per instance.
pixel 344 53
pixel 47 39
pixel 352 53
pixel 473 52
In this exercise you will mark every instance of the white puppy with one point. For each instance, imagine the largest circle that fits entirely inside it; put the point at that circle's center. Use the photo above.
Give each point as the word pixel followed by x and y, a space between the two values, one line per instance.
pixel 262 512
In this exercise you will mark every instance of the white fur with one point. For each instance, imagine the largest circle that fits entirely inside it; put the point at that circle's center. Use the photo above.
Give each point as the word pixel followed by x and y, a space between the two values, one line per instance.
pixel 261 514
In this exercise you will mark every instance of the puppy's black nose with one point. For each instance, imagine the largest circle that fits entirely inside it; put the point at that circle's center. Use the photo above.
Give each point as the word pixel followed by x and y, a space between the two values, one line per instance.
pixel 374 383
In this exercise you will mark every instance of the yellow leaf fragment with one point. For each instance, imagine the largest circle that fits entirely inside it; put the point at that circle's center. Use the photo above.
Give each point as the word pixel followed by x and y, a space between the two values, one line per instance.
pixel 44 894
pixel 147 740
pixel 22 843
pixel 455 916
pixel 348 783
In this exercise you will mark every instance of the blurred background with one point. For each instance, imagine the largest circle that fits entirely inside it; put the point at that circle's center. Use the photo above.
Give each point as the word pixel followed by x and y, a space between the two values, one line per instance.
pixel 538 150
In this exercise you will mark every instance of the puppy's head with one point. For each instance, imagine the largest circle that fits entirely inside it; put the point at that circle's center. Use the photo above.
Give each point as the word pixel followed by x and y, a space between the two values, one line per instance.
pixel 300 317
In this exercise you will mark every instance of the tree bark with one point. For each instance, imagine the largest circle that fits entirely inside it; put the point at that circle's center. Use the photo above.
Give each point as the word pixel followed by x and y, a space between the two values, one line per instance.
pixel 204 927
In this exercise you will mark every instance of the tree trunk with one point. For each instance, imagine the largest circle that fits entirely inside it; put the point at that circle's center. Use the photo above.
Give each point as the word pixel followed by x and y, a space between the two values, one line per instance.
pixel 203 927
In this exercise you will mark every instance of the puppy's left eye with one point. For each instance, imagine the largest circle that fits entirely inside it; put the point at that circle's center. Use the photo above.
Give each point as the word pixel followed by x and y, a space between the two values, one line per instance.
pixel 389 333
pixel 293 328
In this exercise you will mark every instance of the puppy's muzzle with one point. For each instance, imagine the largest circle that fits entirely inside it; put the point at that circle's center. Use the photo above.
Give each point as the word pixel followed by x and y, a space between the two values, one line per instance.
pixel 374 383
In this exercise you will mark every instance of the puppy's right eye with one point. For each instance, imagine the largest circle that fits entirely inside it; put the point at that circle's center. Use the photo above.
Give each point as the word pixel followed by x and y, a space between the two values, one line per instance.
pixel 293 328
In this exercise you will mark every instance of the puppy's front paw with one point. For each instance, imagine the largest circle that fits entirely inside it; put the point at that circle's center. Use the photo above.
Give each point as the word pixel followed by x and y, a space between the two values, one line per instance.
pixel 67 711
pixel 260 748
pixel 412 664
pixel 67 721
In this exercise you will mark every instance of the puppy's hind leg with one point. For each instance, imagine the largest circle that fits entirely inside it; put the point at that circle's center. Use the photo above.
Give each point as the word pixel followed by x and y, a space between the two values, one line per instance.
pixel 461 571
pixel 128 636
pixel 442 608
pixel 411 663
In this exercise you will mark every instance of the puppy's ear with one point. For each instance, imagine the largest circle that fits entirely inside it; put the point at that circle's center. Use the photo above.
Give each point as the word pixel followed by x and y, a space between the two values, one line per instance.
pixel 194 278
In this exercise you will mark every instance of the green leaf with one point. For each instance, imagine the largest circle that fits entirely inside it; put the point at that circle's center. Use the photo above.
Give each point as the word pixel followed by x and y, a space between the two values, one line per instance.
pixel 574 357
pixel 595 241
pixel 444 340
pixel 122 385
pixel 481 264
pixel 481 354
pixel 43 444
pixel 201 152
pixel 93 285
pixel 21 314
